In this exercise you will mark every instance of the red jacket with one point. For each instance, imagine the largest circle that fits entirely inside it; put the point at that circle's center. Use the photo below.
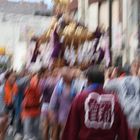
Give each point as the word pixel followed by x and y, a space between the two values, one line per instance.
pixel 10 92
pixel 31 102
pixel 96 115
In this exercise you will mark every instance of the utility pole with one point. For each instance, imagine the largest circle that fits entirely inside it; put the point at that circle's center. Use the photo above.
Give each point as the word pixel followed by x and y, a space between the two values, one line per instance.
pixel 138 23
pixel 110 29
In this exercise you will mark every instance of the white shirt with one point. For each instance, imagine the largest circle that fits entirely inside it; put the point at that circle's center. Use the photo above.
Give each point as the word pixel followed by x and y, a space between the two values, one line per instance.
pixel 128 90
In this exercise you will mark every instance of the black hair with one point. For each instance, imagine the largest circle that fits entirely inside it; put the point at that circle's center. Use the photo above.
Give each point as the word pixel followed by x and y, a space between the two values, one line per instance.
pixel 95 75
pixel 42 71
pixel 7 75
pixel 122 70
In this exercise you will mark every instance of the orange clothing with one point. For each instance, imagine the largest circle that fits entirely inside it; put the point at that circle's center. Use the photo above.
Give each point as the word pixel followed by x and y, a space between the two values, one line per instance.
pixel 31 102
pixel 30 113
pixel 10 91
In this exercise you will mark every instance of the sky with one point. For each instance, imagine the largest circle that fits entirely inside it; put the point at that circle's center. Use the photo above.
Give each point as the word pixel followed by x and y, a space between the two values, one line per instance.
pixel 49 3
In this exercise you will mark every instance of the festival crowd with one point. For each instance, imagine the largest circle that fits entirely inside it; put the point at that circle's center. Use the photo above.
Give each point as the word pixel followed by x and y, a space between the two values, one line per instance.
pixel 69 104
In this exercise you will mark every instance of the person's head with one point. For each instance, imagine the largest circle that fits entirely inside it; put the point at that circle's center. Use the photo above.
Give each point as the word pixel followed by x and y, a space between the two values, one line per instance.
pixel 135 67
pixel 55 72
pixel 95 75
pixel 46 74
pixel 22 73
pixel 67 74
pixel 74 72
pixel 41 73
pixel 11 77
pixel 8 73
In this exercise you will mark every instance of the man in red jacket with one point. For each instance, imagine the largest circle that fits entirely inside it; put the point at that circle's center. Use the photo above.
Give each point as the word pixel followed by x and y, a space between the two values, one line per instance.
pixel 95 114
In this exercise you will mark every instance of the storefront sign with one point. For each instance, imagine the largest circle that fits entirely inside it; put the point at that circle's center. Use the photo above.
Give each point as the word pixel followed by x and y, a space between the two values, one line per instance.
pixel 2 51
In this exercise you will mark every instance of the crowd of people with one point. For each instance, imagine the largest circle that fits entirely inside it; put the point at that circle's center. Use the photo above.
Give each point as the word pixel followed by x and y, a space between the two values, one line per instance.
pixel 69 104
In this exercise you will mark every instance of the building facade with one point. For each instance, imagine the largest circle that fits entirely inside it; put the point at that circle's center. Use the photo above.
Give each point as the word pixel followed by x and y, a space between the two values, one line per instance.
pixel 18 23
pixel 125 23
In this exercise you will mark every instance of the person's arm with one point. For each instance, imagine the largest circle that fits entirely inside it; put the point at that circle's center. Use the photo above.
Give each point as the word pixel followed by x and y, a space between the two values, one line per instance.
pixel 14 93
pixel 53 105
pixel 72 127
pixel 111 84
pixel 54 100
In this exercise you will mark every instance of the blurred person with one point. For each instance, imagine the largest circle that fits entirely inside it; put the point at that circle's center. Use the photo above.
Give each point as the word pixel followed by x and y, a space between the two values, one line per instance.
pixel 95 114
pixel 50 81
pixel 117 72
pixel 60 102
pixel 135 70
pixel 44 107
pixel 139 129
pixel 128 90
pixel 135 67
pixel 22 82
pixel 10 91
pixel 127 67
pixel 79 80
pixel 31 110
pixel 3 113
